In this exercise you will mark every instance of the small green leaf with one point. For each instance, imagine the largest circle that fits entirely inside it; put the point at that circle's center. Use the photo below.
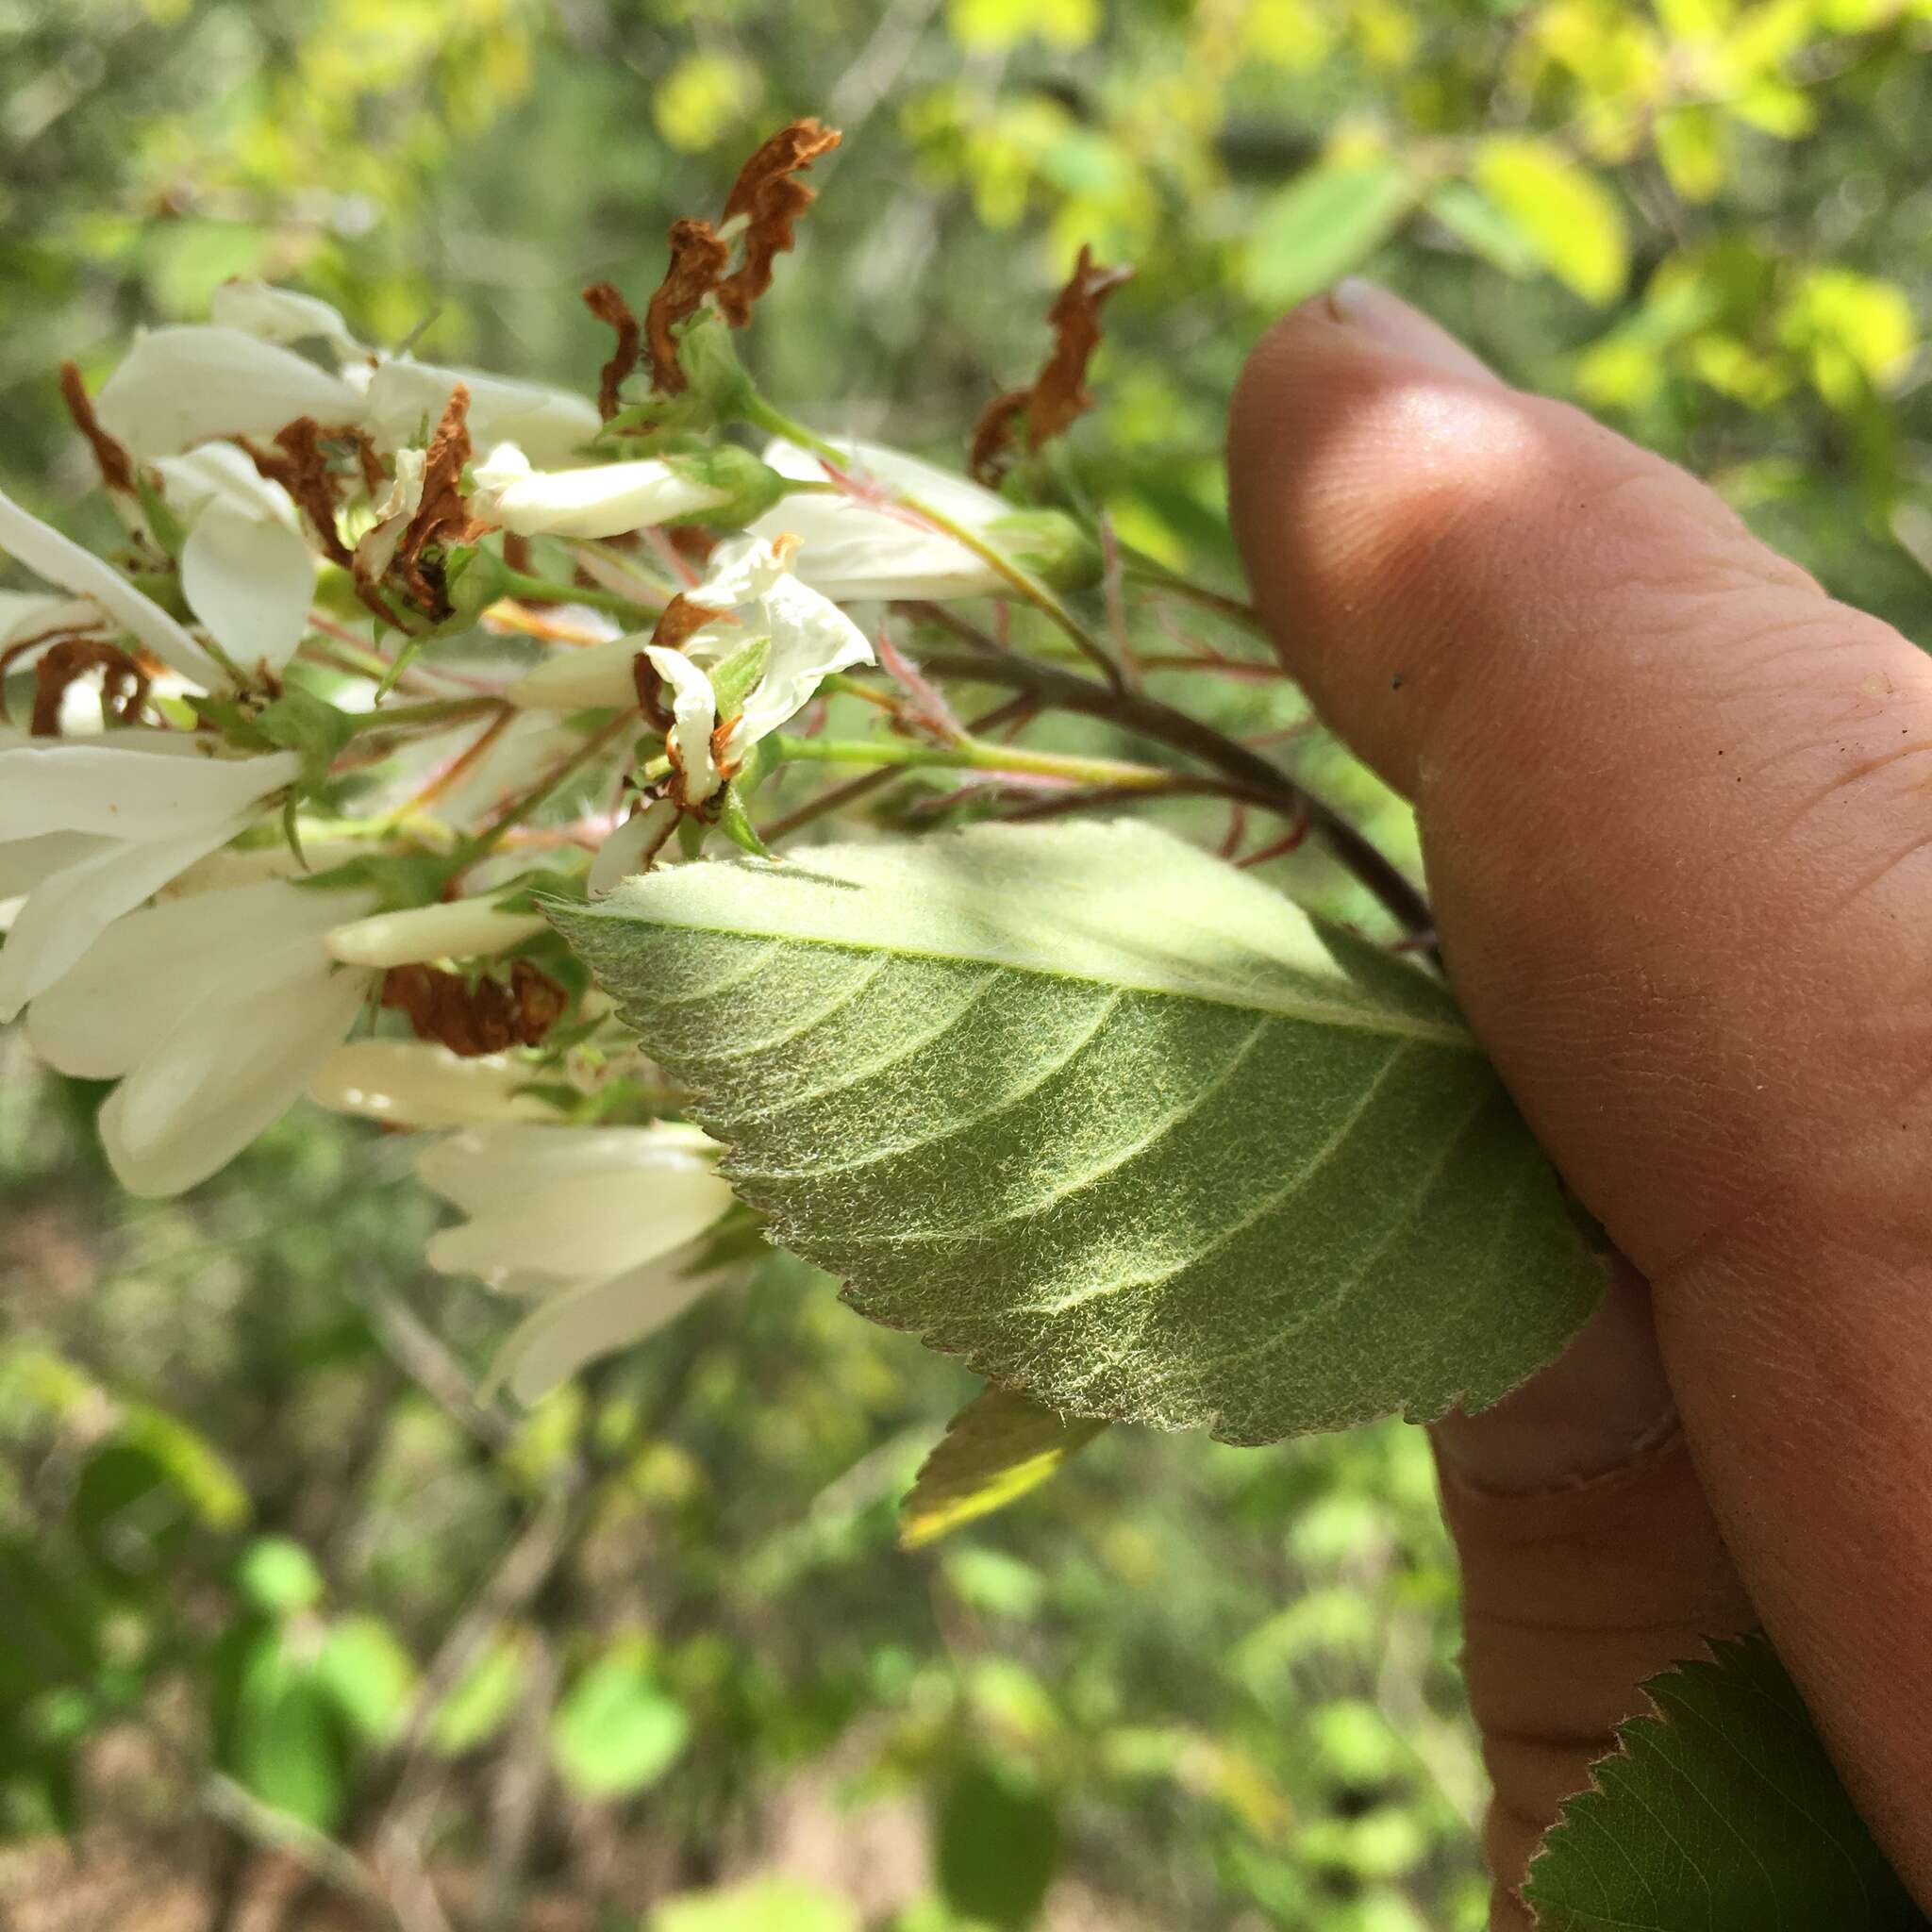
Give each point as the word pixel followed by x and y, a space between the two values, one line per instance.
pixel 278 1575
pixel 283 1740
pixel 1323 226
pixel 1111 1118
pixel 998 1842
pixel 1722 1813
pixel 363 1666
pixel 1483 228
pixel 999 1446
pixel 1573 221
pixel 617 1731
pixel 481 1700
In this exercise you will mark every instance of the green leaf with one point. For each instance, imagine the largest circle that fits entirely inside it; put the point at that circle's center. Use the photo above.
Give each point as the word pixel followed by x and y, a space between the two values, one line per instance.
pixel 1324 225
pixel 1483 229
pixel 1572 220
pixel 481 1700
pixel 999 1446
pixel 997 1844
pixel 276 1574
pixel 617 1730
pixel 281 1736
pixel 1110 1118
pixel 1720 1813
pixel 372 1677
pixel 763 1905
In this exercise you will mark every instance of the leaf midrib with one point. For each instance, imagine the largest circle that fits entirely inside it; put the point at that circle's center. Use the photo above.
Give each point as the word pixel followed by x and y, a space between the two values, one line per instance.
pixel 1357 1019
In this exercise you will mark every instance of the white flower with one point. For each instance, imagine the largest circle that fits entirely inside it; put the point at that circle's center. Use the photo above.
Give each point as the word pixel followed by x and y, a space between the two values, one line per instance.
pixel 854 549
pixel 582 679
pixel 92 829
pixel 376 548
pixel 605 1224
pixel 60 561
pixel 245 566
pixel 200 382
pixel 423 1084
pixel 282 315
pixel 406 398
pixel 750 579
pixel 604 501
pixel 460 930
pixel 631 847
pixel 213 1011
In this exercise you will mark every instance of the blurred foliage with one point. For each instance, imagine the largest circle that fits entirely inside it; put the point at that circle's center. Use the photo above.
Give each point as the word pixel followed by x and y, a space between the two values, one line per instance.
pixel 282 1605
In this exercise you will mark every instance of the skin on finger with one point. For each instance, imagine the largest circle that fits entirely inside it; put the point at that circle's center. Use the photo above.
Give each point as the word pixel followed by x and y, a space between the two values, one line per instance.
pixel 1677 806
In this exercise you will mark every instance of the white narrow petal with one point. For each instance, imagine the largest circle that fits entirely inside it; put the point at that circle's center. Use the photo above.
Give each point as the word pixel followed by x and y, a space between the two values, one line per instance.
pixel 281 315
pixel 250 581
pixel 32 613
pixel 811 638
pixel 198 383
pixel 463 929
pixel 219 473
pixel 626 850
pixel 150 967
pixel 130 795
pixel 578 680
pixel 566 1333
pixel 957 496
pixel 694 716
pixel 598 502
pixel 422 1084
pixel 376 548
pixel 62 561
pixel 477 1171
pixel 63 915
pixel 548 425
pixel 24 862
pixel 224 1074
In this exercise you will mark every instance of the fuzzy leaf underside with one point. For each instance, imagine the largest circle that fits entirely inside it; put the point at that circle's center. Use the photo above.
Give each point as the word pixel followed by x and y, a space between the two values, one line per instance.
pixel 1722 1813
pixel 1110 1119
pixel 1000 1446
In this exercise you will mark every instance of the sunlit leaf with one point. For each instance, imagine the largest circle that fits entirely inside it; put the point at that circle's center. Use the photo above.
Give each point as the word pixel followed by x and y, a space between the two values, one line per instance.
pixel 1109 1118
pixel 763 1904
pixel 1720 1813
pixel 999 1446
pixel 1575 222
pixel 616 1730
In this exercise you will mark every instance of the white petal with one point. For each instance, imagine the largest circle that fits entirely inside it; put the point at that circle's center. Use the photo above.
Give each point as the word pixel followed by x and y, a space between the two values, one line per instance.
pixel 197 383
pixel 225 1073
pixel 60 561
pixel 376 548
pixel 603 501
pixel 579 680
pixel 852 549
pixel 477 1171
pixel 425 1085
pixel 624 854
pixel 151 968
pixel 281 315
pixel 62 916
pixel 28 613
pixel 219 473
pixel 24 862
pixel 462 929
pixel 407 396
pixel 250 582
pixel 694 717
pixel 811 638
pixel 109 788
pixel 563 1335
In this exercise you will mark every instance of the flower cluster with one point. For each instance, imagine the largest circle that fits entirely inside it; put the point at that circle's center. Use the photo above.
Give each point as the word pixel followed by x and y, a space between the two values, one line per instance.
pixel 388 653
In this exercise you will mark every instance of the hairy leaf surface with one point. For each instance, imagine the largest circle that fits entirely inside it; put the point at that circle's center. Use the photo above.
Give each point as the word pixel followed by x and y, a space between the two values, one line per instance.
pixel 1109 1118
pixel 1720 1814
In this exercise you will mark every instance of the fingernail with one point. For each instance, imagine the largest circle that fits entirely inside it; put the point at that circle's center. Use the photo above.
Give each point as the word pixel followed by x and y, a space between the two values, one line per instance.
pixel 1393 323
pixel 1598 1408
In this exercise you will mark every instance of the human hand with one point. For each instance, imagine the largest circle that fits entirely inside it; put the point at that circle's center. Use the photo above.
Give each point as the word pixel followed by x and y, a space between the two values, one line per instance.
pixel 1676 808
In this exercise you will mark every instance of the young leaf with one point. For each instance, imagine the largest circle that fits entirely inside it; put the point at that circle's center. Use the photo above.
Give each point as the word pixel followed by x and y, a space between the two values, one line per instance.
pixel 1572 220
pixel 1722 1813
pixel 1111 1118
pixel 1323 226
pixel 999 1446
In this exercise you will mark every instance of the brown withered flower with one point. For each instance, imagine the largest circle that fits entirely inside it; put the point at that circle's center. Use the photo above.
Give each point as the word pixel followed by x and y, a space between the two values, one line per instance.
pixel 443 516
pixel 116 467
pixel 605 302
pixel 697 264
pixel 1058 395
pixel 479 1017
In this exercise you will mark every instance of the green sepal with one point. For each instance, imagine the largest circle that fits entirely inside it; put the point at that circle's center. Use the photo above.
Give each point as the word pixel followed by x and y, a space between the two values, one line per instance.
pixel 164 525
pixel 735 823
pixel 751 488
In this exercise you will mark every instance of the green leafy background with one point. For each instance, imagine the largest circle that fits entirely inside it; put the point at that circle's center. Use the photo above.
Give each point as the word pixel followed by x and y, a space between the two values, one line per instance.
pixel 252 1563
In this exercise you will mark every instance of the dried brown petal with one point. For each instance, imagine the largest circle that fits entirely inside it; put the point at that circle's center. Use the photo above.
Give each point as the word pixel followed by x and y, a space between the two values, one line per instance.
pixel 302 469
pixel 1058 395
pixel 116 468
pixel 771 200
pixel 443 516
pixel 697 262
pixel 480 1018
pixel 682 616
pixel 603 301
